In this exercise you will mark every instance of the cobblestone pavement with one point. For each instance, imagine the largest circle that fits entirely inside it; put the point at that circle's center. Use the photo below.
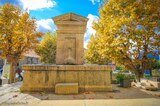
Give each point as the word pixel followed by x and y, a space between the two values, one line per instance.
pixel 10 96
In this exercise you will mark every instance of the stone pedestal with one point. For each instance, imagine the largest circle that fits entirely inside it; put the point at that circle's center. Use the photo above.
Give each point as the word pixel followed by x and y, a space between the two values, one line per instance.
pixel 88 77
pixel 70 38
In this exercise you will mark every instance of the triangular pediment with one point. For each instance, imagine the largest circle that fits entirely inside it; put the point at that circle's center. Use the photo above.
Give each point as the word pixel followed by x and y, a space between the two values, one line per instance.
pixel 70 17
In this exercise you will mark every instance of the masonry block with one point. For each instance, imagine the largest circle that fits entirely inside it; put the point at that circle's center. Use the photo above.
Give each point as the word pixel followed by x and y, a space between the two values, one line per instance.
pixel 66 88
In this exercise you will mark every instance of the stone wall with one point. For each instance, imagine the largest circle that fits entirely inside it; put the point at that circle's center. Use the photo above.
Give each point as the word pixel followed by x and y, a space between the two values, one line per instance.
pixel 88 77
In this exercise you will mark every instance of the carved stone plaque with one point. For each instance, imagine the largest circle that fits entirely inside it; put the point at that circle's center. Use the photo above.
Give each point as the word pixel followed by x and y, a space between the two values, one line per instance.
pixel 70 50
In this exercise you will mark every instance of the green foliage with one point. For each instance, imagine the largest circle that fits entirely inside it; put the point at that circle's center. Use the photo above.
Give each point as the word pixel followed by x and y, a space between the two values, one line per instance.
pixel 156 65
pixel 156 72
pixel 6 75
pixel 92 55
pixel 47 48
pixel 119 37
pixel 118 68
pixel 121 77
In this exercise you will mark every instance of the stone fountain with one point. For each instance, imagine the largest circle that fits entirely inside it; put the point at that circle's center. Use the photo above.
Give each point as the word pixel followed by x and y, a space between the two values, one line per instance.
pixel 69 75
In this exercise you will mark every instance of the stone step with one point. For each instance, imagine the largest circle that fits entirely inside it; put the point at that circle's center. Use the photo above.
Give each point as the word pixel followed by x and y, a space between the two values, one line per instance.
pixel 66 88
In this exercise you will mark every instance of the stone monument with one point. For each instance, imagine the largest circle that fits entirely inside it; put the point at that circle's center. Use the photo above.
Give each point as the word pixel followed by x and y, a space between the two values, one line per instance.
pixel 69 75
pixel 71 29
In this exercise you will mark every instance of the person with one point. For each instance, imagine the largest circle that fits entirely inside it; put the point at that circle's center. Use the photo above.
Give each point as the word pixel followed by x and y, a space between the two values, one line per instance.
pixel 19 74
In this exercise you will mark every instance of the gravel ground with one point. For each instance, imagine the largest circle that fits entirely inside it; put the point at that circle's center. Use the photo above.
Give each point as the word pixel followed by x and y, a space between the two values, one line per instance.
pixel 10 95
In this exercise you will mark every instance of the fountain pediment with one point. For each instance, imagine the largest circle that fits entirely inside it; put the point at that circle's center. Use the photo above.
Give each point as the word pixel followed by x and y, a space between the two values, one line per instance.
pixel 70 17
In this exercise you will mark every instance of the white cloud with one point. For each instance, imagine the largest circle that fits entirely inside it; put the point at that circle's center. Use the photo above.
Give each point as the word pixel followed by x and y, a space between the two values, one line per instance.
pixel 90 30
pixel 93 1
pixel 92 18
pixel 37 4
pixel 45 25
pixel 86 43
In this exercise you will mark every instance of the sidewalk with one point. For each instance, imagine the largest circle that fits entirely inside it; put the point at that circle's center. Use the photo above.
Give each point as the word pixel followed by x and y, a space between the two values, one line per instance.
pixel 113 102
pixel 11 96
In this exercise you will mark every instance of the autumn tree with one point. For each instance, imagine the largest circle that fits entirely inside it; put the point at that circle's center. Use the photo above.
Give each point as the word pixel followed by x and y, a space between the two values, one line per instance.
pixel 92 55
pixel 128 31
pixel 17 35
pixel 47 48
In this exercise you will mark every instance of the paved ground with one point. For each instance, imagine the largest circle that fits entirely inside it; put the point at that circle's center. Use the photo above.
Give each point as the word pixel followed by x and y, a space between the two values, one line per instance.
pixel 104 102
pixel 10 95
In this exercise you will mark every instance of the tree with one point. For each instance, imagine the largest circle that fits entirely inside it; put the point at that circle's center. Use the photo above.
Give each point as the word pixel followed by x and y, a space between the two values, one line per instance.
pixel 47 48
pixel 92 55
pixel 128 30
pixel 17 35
pixel 156 65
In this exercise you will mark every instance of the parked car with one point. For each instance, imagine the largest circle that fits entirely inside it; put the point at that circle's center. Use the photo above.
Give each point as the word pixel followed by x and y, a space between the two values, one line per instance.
pixel 115 71
pixel 127 73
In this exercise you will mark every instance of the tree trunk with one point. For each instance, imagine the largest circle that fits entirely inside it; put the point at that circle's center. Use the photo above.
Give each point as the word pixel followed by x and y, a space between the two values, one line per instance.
pixel 138 78
pixel 138 75
pixel 12 72
pixel 150 72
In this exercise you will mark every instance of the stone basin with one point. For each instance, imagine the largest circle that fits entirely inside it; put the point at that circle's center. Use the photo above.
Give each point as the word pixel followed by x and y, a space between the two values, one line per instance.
pixel 45 77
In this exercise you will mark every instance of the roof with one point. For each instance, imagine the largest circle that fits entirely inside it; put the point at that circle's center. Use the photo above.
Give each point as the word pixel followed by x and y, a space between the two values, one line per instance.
pixel 31 53
pixel 70 17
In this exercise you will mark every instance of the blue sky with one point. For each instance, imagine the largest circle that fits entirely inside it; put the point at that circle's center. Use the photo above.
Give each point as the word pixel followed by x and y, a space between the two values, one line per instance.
pixel 44 10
